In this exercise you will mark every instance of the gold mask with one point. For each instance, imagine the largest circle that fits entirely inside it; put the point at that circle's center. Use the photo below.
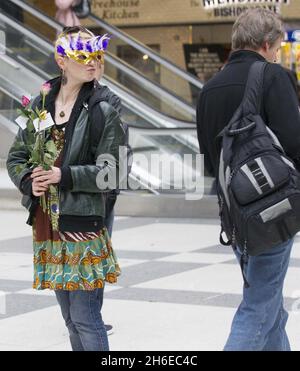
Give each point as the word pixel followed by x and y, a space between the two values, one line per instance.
pixel 86 57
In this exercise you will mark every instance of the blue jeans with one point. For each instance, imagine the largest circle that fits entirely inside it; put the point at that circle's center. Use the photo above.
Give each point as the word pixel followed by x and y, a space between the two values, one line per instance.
pixel 109 222
pixel 259 323
pixel 81 311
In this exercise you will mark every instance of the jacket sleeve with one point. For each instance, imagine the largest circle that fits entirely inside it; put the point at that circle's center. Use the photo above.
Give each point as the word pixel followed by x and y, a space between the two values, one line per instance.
pixel 94 178
pixel 282 112
pixel 19 155
pixel 201 134
pixel 115 101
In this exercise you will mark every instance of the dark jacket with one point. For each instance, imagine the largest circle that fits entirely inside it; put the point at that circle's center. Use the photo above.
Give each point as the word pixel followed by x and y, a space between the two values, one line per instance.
pixel 81 202
pixel 222 95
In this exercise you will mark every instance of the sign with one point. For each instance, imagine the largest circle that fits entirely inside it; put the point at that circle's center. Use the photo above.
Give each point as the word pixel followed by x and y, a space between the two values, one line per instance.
pixel 113 10
pixel 205 60
pixel 233 8
pixel 171 12
pixel 292 36
pixel 213 4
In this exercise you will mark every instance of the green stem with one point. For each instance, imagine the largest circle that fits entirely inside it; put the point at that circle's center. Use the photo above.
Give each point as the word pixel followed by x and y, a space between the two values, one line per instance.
pixel 42 135
pixel 43 202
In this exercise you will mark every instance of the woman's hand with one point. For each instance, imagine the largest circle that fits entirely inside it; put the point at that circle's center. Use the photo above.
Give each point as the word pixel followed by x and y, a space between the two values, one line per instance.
pixel 43 178
pixel 37 189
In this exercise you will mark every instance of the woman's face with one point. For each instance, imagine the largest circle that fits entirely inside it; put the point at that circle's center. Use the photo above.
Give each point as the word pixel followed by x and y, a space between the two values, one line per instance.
pixel 79 72
pixel 99 71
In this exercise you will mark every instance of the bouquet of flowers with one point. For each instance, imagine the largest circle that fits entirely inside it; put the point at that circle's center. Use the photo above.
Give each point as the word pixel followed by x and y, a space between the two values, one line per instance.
pixel 42 151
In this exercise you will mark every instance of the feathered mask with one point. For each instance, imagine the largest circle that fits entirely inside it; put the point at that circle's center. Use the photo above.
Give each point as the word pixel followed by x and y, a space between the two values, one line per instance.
pixel 82 50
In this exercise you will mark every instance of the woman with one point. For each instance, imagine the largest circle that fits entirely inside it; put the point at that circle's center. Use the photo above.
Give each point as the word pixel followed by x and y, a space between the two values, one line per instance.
pixel 65 14
pixel 72 249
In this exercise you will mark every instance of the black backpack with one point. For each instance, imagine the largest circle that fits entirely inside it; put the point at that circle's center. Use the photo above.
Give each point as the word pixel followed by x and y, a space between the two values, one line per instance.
pixel 258 185
pixel 97 120
pixel 97 126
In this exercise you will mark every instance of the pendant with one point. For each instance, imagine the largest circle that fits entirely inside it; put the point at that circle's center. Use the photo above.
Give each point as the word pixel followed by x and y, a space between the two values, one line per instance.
pixel 62 114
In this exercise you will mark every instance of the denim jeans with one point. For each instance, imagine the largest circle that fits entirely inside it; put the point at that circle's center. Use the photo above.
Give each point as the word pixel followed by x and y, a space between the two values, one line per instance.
pixel 109 222
pixel 81 311
pixel 259 323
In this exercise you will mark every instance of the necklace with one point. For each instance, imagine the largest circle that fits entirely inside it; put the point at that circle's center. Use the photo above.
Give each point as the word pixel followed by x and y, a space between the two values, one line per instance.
pixel 62 112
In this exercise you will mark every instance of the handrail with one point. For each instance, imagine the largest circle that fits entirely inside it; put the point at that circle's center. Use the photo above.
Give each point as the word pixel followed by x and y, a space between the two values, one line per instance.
pixel 131 102
pixel 146 50
pixel 154 87
pixel 162 131
pixel 129 40
pixel 149 113
pixel 123 66
pixel 16 93
pixel 43 43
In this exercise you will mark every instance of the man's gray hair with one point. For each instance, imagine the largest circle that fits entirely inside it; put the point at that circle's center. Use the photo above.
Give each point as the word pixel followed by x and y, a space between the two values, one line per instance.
pixel 254 27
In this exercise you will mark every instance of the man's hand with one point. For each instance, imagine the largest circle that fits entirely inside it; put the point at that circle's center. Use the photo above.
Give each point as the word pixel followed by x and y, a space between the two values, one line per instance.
pixel 43 178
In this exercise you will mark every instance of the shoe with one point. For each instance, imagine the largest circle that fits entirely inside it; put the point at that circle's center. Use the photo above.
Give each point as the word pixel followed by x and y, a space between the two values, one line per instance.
pixel 109 329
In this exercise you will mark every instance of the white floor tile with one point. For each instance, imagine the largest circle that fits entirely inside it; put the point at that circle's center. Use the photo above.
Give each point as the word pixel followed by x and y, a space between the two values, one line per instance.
pixel 166 237
pixel 214 278
pixel 16 259
pixel 198 258
pixel 13 224
pixel 17 273
pixel 129 262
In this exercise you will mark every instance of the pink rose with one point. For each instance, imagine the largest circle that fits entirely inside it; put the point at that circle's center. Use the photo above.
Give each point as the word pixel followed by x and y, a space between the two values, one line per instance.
pixel 25 101
pixel 46 87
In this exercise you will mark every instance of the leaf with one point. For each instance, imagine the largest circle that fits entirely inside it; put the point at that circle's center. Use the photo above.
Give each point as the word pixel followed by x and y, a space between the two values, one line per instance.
pixel 48 160
pixel 47 167
pixel 30 126
pixel 20 112
pixel 34 159
pixel 48 156
pixel 51 147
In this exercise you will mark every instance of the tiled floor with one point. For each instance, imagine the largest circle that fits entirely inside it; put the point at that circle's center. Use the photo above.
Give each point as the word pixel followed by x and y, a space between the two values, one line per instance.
pixel 178 289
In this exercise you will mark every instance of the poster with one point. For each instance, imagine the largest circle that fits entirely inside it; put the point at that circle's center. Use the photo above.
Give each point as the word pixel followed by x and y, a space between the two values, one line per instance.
pixel 205 60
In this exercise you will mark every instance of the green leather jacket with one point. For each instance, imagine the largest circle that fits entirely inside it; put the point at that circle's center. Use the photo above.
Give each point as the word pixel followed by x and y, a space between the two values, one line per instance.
pixel 81 202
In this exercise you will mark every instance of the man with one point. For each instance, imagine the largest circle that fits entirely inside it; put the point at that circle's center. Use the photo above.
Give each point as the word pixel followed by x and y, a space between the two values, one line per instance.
pixel 259 323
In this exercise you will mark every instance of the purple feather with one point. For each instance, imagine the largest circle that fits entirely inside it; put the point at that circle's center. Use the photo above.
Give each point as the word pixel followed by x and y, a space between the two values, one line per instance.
pixel 60 50
pixel 88 47
pixel 79 44
pixel 72 43
pixel 105 44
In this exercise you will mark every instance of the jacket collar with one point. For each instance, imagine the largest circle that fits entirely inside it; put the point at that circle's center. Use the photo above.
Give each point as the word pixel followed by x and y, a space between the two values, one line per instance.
pixel 245 55
pixel 84 94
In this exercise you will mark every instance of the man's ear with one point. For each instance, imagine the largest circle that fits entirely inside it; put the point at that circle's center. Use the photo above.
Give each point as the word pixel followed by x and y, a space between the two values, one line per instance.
pixel 266 46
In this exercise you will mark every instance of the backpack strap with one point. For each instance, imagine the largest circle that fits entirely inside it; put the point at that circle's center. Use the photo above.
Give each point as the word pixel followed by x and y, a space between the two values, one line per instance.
pixel 251 105
pixel 252 99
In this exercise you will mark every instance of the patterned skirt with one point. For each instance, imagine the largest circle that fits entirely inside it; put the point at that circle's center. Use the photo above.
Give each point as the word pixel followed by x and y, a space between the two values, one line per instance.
pixel 79 261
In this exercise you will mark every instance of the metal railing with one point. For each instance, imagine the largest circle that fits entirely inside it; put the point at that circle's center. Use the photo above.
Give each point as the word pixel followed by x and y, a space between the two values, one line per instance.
pixel 133 73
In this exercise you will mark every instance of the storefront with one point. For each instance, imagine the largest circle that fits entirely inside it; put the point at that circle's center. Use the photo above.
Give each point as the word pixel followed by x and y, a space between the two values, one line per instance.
pixel 194 34
pixel 290 54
